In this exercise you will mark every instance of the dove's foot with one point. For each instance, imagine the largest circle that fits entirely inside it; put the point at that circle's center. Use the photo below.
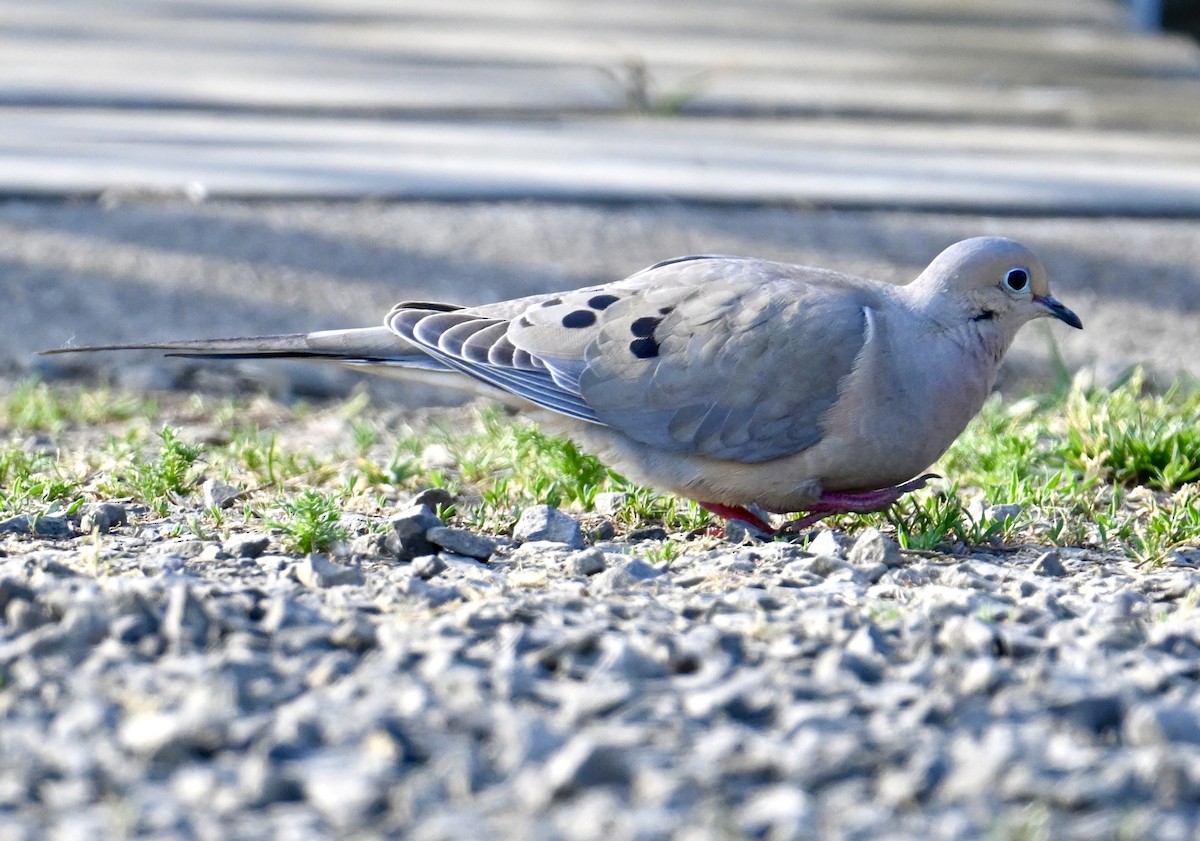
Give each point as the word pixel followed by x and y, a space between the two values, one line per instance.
pixel 742 515
pixel 860 502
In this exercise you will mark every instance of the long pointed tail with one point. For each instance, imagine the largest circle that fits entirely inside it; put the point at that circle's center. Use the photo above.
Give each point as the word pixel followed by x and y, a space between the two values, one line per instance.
pixel 355 346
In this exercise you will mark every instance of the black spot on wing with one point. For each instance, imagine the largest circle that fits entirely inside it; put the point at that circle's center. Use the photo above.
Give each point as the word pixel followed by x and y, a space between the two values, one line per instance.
pixel 579 318
pixel 644 327
pixel 666 310
pixel 550 302
pixel 646 348
pixel 602 302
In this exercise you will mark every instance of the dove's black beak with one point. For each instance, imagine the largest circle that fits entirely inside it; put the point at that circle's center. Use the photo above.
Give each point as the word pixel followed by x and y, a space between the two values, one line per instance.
pixel 1056 309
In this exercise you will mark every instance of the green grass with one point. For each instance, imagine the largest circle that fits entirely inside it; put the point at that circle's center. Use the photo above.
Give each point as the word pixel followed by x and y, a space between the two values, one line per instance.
pixel 159 479
pixel 1116 469
pixel 311 521
pixel 36 482
pixel 34 406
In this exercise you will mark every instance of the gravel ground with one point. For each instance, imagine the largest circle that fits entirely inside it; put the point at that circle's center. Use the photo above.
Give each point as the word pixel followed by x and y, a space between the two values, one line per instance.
pixel 439 684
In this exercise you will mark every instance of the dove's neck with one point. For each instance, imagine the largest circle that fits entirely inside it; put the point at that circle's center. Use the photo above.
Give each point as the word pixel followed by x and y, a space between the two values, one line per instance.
pixel 949 317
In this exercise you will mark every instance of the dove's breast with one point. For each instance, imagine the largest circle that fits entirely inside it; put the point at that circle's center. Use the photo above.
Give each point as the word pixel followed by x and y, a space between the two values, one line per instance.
pixel 913 391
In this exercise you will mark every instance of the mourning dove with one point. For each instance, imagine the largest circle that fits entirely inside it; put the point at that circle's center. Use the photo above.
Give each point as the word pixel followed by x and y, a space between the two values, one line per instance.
pixel 738 382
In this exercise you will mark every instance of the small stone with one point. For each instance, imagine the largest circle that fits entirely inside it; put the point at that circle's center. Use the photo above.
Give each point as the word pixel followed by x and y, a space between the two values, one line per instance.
pixel 343 792
pixel 981 676
pixel 355 634
pixel 161 564
pixel 1097 714
pixel 1003 513
pixel 742 534
pixel 610 503
pixel 520 738
pixel 84 625
pixel 102 517
pixel 24 616
pixel 17 525
pixel 834 662
pixel 1050 565
pixel 51 527
pixel 262 782
pixel 11 590
pixel 185 623
pixel 825 543
pixel 542 522
pixel 600 530
pixel 213 552
pixel 410 526
pixel 171 738
pixel 283 612
pixel 968 635
pixel 427 566
pixel 981 760
pixel 624 576
pixel 648 533
pixel 137 620
pixel 1184 557
pixel 462 542
pixel 910 783
pixel 868 641
pixel 583 763
pixel 330 668
pixel 778 812
pixel 375 545
pixel 823 565
pixel 1162 724
pixel 742 562
pixel 874 547
pixel 750 599
pixel 437 457
pixel 49 563
pixel 182 548
pixel 798 573
pixel 316 570
pixel 586 562
pixel 217 494
pixel 273 563
pixel 246 545
pixel 431 594
pixel 431 498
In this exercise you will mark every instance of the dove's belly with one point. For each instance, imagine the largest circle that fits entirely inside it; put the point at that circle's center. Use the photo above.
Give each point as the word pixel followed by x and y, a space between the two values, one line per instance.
pixel 783 485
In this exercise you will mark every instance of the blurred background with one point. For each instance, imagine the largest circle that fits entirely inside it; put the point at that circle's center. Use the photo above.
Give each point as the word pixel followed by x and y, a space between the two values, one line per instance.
pixel 181 168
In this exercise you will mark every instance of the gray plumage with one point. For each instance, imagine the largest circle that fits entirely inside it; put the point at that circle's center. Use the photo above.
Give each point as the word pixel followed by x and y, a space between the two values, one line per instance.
pixel 730 380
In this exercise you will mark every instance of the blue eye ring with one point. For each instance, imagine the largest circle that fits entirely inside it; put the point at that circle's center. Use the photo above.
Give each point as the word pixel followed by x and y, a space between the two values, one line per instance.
pixel 1016 280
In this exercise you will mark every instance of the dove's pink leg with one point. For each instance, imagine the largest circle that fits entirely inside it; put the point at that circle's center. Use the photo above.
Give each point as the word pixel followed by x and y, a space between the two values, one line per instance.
pixel 859 502
pixel 734 512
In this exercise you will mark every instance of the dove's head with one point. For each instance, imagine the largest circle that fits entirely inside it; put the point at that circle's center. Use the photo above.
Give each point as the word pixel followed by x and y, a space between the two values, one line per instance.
pixel 993 282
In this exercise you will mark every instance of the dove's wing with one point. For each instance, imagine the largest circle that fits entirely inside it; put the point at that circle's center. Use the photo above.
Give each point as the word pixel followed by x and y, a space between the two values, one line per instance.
pixel 730 358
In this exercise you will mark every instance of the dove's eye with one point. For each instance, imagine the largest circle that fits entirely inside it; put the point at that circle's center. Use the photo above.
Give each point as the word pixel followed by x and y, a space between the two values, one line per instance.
pixel 1017 280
